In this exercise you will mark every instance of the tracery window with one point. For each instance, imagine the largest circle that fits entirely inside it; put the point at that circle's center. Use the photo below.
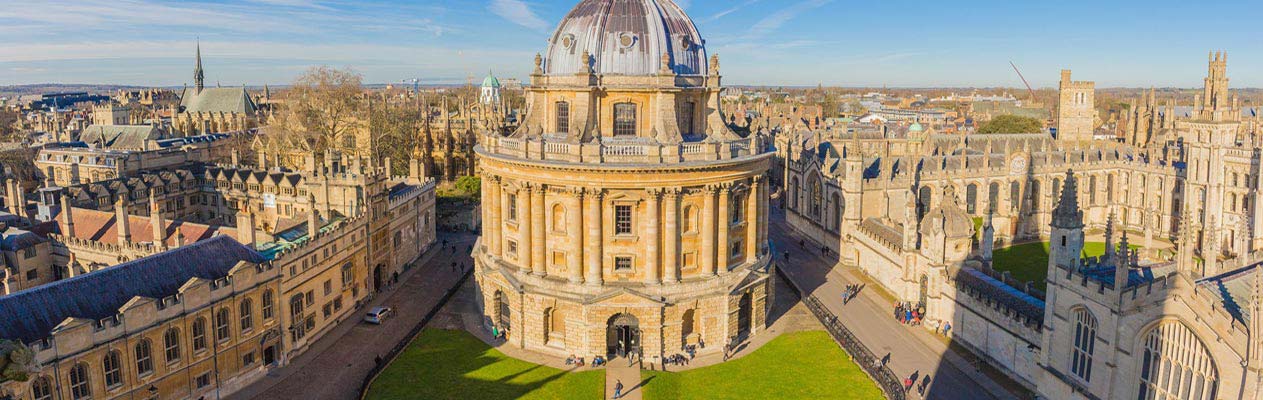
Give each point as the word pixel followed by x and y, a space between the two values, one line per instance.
pixel 42 388
pixel 1084 344
pixel 1176 365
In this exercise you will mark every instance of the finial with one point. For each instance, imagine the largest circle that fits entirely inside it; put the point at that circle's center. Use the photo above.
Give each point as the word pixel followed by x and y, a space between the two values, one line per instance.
pixel 539 64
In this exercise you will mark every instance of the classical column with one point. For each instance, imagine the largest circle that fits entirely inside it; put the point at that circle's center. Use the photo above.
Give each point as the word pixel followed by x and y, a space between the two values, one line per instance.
pixel 502 212
pixel 526 221
pixel 593 238
pixel 652 238
pixel 707 258
pixel 725 221
pixel 752 216
pixel 574 229
pixel 764 216
pixel 493 225
pixel 671 237
pixel 538 222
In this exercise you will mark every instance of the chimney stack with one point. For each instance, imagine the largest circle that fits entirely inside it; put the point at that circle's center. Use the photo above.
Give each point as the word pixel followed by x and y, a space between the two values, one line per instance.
pixel 122 221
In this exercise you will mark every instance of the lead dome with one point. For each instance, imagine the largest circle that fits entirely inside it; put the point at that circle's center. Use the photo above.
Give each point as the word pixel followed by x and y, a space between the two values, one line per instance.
pixel 626 37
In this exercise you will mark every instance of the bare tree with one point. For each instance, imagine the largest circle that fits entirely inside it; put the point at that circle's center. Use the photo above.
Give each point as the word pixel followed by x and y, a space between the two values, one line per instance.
pixel 323 107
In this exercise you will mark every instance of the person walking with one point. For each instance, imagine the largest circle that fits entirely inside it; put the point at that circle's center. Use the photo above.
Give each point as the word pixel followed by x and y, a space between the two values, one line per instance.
pixel 618 389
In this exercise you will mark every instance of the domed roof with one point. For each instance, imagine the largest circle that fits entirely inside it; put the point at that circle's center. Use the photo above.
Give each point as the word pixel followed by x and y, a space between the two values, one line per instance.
pixel 626 37
pixel 916 127
pixel 490 81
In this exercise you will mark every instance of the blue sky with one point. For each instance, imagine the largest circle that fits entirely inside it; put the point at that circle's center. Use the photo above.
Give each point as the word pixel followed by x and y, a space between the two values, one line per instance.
pixel 774 42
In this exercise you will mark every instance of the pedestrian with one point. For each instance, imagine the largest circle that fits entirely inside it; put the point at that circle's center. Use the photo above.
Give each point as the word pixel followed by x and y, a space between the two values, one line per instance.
pixel 618 389
pixel 908 316
pixel 947 329
pixel 377 360
pixel 846 294
pixel 907 384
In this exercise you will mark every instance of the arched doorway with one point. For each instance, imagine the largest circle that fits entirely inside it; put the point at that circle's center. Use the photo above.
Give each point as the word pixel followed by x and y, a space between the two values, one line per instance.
pixel 377 277
pixel 502 311
pixel 622 335
pixel 688 327
pixel 745 310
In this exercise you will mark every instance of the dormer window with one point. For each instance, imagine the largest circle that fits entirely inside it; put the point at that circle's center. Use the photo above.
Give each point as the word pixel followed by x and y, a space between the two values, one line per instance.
pixel 625 120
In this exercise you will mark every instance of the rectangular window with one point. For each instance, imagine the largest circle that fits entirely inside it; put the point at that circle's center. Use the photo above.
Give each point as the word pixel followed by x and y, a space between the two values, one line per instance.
pixel 328 287
pixel 512 249
pixel 327 310
pixel 348 274
pixel 203 380
pixel 513 207
pixel 247 359
pixel 563 117
pixel 736 249
pixel 686 117
pixel 625 119
pixel 622 263
pixel 559 259
pixel 32 275
pixel 690 260
pixel 623 220
pixel 738 209
pixel 29 252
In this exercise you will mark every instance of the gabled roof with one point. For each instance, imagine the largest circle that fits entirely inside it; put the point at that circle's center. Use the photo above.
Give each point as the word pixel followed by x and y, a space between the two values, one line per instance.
pixel 31 315
pixel 119 136
pixel 214 100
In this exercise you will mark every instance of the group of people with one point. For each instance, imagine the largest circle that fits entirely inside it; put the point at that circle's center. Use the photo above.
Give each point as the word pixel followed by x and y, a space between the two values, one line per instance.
pixel 909 315
pixel 850 292
pixel 578 361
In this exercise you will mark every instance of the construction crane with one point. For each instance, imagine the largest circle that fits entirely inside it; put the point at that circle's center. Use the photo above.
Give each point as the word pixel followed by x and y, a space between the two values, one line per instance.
pixel 1028 84
pixel 414 82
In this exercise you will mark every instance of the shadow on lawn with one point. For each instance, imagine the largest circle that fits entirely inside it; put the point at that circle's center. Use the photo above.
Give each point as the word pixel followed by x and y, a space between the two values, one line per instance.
pixel 445 364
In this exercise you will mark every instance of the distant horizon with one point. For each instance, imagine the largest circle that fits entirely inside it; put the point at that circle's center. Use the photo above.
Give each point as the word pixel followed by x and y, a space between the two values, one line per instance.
pixel 761 42
pixel 1017 91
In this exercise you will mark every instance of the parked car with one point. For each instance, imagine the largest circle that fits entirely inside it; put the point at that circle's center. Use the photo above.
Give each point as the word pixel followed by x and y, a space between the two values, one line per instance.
pixel 377 315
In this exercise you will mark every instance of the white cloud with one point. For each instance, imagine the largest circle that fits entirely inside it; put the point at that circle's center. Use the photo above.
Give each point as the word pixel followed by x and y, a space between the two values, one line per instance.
pixel 516 11
pixel 734 9
pixel 774 21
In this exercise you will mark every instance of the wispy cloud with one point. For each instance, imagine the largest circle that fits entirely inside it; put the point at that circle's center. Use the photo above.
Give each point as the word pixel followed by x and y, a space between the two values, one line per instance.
pixel 774 21
pixel 516 11
pixel 734 9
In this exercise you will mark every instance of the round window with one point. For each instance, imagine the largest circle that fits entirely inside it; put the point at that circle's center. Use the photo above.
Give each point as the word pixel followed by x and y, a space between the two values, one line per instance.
pixel 626 40
pixel 567 41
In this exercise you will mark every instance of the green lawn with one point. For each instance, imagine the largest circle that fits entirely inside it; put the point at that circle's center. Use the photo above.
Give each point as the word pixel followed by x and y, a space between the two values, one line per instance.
pixel 1029 261
pixel 444 364
pixel 800 365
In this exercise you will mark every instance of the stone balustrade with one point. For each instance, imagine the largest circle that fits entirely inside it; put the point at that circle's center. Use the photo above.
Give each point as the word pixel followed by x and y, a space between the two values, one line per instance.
pixel 620 152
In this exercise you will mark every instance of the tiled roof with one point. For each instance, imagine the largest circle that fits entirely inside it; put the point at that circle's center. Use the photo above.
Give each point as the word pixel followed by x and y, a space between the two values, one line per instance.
pixel 214 100
pixel 119 136
pixel 31 315
pixel 99 226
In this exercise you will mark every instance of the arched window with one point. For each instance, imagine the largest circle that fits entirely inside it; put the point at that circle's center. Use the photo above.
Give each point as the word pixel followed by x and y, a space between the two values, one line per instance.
pixel 563 117
pixel 171 343
pixel 79 387
pixel 1176 365
pixel 1015 195
pixel 144 357
pixel 222 332
pixel 993 197
pixel 793 193
pixel 502 311
pixel 42 388
pixel 246 315
pixel 199 334
pixel 925 196
pixel 299 329
pixel 113 368
pixel 1109 188
pixel 1092 189
pixel 971 199
pixel 267 304
pixel 559 218
pixel 1084 344
pixel 837 212
pixel 1035 199
pixel 816 197
pixel 686 117
pixel 690 219
pixel 625 119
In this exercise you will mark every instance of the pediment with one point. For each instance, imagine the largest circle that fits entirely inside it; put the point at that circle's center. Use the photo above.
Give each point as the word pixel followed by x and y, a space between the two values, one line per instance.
pixel 624 297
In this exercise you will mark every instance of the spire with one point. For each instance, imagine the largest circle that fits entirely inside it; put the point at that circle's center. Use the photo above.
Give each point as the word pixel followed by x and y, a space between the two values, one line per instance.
pixel 199 78
pixel 1122 264
pixel 1109 238
pixel 1067 214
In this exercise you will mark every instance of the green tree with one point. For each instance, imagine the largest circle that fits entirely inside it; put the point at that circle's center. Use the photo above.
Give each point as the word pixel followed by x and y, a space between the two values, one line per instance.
pixel 471 185
pixel 1012 124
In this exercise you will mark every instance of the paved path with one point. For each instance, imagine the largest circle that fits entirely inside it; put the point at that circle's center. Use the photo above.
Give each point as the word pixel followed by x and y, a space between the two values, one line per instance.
pixel 334 366
pixel 912 350
pixel 619 371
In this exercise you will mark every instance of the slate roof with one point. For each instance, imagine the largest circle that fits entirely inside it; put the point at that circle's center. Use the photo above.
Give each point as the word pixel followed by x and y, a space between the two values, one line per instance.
pixel 15 239
pixel 1233 289
pixel 32 314
pixel 214 100
pixel 119 136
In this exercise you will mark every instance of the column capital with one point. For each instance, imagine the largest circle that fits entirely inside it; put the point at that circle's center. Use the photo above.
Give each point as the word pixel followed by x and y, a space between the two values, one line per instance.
pixel 757 179
pixel 672 192
pixel 596 193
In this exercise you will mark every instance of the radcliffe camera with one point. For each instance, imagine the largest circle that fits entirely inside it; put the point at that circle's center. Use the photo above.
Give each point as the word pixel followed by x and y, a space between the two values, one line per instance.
pixel 630 199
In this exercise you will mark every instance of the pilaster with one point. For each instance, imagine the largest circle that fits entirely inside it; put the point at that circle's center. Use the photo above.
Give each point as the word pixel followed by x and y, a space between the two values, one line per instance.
pixel 671 236
pixel 652 237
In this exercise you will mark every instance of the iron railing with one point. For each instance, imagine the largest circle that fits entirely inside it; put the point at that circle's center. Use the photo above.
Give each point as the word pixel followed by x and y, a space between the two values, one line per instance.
pixel 869 362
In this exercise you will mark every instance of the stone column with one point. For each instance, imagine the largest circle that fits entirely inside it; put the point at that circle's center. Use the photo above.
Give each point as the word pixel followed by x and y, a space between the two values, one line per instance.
pixel 671 237
pixel 724 220
pixel 538 222
pixel 764 215
pixel 526 247
pixel 752 216
pixel 707 256
pixel 502 212
pixel 492 204
pixel 652 237
pixel 574 229
pixel 592 240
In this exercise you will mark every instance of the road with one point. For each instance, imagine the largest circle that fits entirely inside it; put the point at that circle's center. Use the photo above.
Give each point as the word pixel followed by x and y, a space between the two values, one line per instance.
pixel 335 366
pixel 912 350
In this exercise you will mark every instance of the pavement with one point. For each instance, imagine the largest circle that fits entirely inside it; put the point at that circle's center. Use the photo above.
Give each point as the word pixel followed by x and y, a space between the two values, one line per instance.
pixel 912 351
pixel 335 366
pixel 619 371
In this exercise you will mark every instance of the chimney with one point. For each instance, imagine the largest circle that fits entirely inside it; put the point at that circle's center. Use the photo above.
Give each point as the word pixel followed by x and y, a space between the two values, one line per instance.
pixel 68 221
pixel 121 220
pixel 313 218
pixel 4 282
pixel 13 194
pixel 245 224
pixel 179 237
pixel 156 221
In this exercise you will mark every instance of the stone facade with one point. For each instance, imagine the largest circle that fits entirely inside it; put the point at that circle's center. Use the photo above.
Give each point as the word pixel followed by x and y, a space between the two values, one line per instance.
pixel 623 214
